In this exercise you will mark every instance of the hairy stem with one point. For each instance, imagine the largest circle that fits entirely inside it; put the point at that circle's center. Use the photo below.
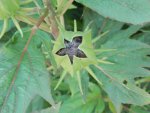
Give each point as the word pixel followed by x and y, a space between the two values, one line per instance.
pixel 52 18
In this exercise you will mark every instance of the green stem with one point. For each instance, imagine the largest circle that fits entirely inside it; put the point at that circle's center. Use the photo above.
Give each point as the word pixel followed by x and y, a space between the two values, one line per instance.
pixel 93 75
pixel 79 82
pixel 17 26
pixel 4 28
pixel 60 80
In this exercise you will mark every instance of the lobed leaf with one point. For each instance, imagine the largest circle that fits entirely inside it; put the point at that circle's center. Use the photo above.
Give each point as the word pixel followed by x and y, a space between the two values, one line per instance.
pixel 129 60
pixel 129 11
pixel 17 90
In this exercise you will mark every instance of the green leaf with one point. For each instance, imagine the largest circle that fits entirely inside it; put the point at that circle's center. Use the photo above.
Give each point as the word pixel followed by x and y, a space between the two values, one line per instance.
pixel 129 58
pixel 17 90
pixel 84 83
pixel 128 61
pixel 73 84
pixel 144 37
pixel 99 24
pixel 117 32
pixel 129 11
pixel 75 104
pixel 37 103
pixel 137 109
pixel 111 107
pixel 122 93
pixel 95 19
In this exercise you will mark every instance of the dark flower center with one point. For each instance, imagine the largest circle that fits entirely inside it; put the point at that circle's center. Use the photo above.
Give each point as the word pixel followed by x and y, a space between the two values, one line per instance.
pixel 71 49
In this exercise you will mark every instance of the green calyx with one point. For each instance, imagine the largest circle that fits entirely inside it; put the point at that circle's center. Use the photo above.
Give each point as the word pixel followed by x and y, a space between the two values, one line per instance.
pixel 78 63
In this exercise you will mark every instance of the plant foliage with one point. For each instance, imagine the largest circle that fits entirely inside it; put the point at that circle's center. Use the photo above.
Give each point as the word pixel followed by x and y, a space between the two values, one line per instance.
pixel 81 56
